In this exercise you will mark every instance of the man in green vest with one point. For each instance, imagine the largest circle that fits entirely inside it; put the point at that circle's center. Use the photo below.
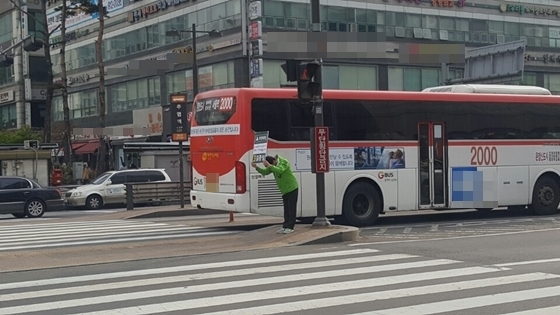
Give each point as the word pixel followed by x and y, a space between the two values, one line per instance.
pixel 288 186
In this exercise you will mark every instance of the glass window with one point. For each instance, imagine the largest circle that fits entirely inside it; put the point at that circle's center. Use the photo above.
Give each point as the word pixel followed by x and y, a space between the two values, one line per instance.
pixel 511 28
pixel 430 78
pixel 176 82
pixel 6 75
pixel 8 116
pixel 218 12
pixel 396 79
pixel 220 74
pixel 154 90
pixel 412 20
pixel 412 79
pixel 14 183
pixel 357 77
pixel 529 78
pixel 429 21
pixel 552 82
pixel 462 25
pixel 330 77
pixel 496 27
pixel 446 23
pixel 6 32
pixel 142 95
pixel 362 15
pixel 273 76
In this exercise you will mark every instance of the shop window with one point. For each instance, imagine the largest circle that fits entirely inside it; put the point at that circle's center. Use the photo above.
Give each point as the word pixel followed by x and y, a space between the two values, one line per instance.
pixel 8 116
pixel 357 77
pixel 496 27
pixel 552 82
pixel 330 77
pixel 412 79
pixel 6 75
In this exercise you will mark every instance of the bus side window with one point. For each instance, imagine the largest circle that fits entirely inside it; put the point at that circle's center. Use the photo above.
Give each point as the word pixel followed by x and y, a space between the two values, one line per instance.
pixel 302 118
pixel 271 115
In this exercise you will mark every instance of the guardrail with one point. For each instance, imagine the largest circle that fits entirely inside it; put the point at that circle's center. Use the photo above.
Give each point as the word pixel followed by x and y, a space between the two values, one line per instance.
pixel 155 193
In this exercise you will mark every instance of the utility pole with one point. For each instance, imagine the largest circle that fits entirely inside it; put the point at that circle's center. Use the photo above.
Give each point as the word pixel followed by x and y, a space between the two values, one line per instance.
pixel 18 68
pixel 321 219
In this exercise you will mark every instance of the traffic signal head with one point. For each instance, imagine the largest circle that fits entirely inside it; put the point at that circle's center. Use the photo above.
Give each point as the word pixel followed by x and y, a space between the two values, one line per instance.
pixel 6 61
pixel 309 88
pixel 290 69
pixel 33 44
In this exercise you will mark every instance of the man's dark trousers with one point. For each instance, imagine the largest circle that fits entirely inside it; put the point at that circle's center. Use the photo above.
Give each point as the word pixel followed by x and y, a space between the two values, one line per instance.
pixel 290 209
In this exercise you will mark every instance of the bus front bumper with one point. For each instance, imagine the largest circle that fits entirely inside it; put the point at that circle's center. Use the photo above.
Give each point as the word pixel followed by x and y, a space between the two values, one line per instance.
pixel 221 201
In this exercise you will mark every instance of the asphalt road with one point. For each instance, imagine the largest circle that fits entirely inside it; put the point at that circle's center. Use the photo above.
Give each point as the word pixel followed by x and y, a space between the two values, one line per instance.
pixel 62 214
pixel 483 275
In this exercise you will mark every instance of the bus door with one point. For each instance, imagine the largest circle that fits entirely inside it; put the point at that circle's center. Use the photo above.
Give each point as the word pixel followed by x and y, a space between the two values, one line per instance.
pixel 432 151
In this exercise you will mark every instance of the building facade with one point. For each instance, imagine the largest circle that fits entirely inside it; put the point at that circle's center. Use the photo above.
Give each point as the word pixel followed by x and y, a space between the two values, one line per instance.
pixel 135 30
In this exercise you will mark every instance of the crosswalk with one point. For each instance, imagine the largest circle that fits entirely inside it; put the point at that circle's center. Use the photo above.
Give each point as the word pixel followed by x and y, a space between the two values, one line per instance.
pixel 352 282
pixel 53 234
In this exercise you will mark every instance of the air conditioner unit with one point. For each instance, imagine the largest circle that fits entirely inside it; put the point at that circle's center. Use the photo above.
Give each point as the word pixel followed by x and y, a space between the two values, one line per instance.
pixel 30 144
pixel 353 27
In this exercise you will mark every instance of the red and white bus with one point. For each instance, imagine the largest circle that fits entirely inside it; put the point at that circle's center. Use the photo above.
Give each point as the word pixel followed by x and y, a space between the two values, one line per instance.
pixel 470 147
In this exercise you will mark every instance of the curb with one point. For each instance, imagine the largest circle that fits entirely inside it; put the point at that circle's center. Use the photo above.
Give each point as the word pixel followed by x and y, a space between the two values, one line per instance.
pixel 340 235
pixel 175 213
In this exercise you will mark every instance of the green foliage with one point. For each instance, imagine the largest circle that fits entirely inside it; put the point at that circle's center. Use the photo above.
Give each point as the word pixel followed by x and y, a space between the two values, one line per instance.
pixel 67 175
pixel 20 135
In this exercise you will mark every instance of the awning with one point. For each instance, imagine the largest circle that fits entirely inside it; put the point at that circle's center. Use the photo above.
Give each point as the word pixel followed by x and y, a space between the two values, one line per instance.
pixel 88 148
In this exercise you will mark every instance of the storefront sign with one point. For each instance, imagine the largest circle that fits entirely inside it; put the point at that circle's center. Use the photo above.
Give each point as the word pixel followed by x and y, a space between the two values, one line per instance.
pixel 153 8
pixel 78 79
pixel 54 18
pixel 178 117
pixel 71 36
pixel 448 3
pixel 509 7
pixel 6 97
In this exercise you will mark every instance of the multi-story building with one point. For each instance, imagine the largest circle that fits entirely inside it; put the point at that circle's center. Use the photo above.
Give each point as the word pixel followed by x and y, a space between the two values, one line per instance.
pixel 135 30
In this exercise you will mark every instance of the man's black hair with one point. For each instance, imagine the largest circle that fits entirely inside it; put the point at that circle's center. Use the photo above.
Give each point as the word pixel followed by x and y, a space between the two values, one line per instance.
pixel 270 159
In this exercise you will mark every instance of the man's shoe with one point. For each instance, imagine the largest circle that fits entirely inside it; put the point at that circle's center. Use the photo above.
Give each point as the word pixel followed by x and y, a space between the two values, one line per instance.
pixel 288 231
pixel 281 231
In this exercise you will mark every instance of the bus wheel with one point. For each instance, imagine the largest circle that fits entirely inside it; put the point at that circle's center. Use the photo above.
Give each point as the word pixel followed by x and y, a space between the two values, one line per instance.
pixel 362 204
pixel 546 196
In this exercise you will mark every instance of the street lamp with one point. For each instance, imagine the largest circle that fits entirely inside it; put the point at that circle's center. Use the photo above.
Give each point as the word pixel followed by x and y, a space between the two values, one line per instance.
pixel 213 33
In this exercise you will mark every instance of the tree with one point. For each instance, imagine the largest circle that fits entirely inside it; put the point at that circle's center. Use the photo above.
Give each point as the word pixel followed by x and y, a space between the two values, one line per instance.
pixel 18 136
pixel 67 140
pixel 50 75
pixel 101 11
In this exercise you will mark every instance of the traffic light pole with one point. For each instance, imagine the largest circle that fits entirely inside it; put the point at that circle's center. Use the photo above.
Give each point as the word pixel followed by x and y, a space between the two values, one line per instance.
pixel 321 219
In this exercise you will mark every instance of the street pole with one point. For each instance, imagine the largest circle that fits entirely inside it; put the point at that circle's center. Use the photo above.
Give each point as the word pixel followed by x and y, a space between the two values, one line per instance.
pixel 321 219
pixel 181 175
pixel 194 64
pixel 18 67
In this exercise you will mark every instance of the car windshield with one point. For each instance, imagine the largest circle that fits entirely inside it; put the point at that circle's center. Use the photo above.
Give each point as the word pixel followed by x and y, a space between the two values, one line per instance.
pixel 101 179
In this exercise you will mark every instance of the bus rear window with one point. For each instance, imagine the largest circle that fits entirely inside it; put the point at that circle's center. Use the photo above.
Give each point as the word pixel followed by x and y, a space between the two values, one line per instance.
pixel 214 111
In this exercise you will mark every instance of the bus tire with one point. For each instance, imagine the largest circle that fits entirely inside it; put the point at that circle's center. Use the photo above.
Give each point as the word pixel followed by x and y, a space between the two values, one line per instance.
pixel 361 205
pixel 546 196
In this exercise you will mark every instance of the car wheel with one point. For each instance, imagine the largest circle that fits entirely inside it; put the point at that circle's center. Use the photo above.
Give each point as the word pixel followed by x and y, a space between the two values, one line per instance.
pixel 19 215
pixel 35 208
pixel 94 202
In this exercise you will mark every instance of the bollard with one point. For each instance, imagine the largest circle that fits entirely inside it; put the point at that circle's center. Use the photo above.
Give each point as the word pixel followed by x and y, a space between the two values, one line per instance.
pixel 129 197
pixel 231 216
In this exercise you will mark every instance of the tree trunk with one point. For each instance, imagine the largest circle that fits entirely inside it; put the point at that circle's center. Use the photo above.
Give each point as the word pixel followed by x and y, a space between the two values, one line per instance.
pixel 102 164
pixel 67 142
pixel 50 76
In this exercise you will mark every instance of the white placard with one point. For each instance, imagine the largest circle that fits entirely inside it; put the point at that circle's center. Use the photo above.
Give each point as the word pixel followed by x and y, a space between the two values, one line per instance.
pixel 340 159
pixel 216 130
pixel 255 10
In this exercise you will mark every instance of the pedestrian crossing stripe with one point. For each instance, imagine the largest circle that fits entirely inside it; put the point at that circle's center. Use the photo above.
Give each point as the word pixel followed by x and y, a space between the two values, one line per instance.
pixel 364 278
pixel 42 236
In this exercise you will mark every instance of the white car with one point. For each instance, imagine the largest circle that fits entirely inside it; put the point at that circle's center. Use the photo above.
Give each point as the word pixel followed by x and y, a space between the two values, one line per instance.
pixel 109 187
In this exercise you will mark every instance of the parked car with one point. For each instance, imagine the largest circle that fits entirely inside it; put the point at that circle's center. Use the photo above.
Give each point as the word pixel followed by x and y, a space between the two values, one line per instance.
pixel 109 188
pixel 23 197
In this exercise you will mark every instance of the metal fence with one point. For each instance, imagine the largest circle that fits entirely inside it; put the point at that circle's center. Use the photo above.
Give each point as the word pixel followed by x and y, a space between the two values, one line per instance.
pixel 155 193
